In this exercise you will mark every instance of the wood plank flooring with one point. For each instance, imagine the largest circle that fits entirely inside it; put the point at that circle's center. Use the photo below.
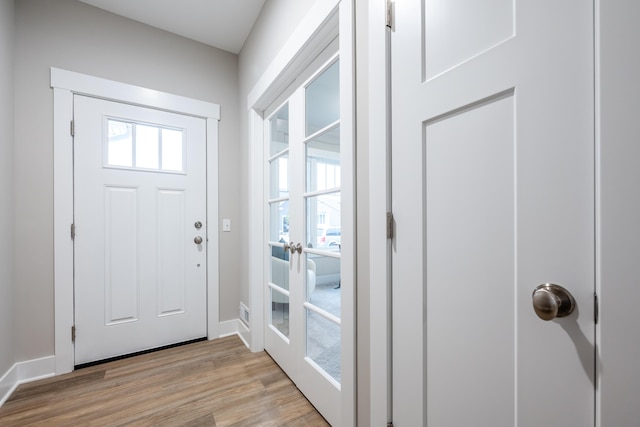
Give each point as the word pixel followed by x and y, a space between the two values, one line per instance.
pixel 209 383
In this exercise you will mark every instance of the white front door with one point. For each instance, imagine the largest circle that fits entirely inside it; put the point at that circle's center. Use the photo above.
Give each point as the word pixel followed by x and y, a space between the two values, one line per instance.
pixel 304 287
pixel 492 195
pixel 140 219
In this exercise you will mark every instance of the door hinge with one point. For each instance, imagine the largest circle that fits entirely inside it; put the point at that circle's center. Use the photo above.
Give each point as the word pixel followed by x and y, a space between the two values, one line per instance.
pixel 73 333
pixel 390 7
pixel 389 225
pixel 72 128
pixel 596 308
pixel 73 231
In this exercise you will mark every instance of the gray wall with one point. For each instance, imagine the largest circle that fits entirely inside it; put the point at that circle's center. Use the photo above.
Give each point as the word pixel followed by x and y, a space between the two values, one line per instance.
pixel 6 186
pixel 74 36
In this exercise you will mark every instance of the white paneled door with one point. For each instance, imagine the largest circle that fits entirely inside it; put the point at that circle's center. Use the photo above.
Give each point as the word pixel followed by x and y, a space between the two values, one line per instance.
pixel 493 195
pixel 140 228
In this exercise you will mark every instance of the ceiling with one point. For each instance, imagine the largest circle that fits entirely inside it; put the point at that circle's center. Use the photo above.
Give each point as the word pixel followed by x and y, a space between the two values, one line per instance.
pixel 224 24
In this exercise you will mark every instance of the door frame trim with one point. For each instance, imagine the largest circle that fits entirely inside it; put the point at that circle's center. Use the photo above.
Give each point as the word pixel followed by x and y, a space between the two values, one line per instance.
pixel 65 85
pixel 380 247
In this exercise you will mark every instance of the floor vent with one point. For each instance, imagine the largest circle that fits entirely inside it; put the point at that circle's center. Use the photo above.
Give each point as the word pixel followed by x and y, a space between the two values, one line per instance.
pixel 244 314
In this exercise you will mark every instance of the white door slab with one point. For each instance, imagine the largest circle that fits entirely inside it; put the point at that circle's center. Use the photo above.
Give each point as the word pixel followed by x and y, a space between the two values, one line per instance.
pixel 140 189
pixel 492 195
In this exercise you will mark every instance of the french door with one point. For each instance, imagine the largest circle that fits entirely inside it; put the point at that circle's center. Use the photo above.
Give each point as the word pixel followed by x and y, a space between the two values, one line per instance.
pixel 303 330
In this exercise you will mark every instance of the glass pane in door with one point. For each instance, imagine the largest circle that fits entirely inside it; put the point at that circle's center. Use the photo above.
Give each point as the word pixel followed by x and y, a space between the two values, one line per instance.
pixel 323 283
pixel 279 176
pixel 278 232
pixel 323 161
pixel 322 221
pixel 323 343
pixel 279 126
pixel 280 312
pixel 322 100
pixel 279 221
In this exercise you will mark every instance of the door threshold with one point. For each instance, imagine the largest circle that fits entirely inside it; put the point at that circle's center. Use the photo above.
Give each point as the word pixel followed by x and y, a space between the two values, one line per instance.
pixel 138 353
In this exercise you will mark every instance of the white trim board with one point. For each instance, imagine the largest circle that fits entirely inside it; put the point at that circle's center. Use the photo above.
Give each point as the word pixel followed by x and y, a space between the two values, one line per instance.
pixel 379 204
pixel 65 84
pixel 309 38
pixel 24 372
pixel 82 84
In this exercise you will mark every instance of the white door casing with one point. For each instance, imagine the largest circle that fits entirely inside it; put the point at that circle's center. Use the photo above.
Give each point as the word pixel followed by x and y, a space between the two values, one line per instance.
pixel 140 279
pixel 65 84
pixel 492 195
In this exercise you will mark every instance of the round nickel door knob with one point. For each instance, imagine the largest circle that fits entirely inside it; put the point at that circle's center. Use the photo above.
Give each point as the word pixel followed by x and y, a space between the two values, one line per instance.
pixel 551 301
pixel 197 240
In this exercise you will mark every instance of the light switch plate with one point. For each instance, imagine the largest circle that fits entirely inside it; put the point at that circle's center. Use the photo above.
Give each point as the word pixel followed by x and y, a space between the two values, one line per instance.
pixel 226 225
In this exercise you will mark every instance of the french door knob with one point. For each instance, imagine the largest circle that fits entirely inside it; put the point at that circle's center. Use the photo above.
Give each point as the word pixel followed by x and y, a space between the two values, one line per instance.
pixel 551 301
pixel 293 248
pixel 197 240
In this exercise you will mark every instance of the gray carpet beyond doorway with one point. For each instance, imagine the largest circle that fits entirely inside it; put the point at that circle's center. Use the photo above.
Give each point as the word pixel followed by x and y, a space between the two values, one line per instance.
pixel 323 344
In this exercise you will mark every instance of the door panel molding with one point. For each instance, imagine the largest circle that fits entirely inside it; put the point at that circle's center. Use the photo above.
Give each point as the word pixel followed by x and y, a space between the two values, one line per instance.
pixel 65 85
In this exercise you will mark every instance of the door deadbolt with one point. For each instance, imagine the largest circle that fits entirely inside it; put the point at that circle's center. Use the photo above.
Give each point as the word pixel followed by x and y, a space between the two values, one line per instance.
pixel 198 225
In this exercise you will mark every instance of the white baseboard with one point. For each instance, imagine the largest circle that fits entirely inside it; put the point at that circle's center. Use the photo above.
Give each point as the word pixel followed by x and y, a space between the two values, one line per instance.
pixel 24 372
pixel 244 333
pixel 228 328
pixel 235 327
pixel 8 383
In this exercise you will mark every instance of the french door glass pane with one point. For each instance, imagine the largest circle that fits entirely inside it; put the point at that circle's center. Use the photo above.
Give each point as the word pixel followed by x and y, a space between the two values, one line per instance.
pixel 279 177
pixel 322 156
pixel 280 312
pixel 323 343
pixel 322 100
pixel 279 271
pixel 323 222
pixel 279 221
pixel 279 125
pixel 323 283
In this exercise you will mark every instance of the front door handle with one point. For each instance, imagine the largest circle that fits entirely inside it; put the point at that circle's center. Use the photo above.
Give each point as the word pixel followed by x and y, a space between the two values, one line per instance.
pixel 197 240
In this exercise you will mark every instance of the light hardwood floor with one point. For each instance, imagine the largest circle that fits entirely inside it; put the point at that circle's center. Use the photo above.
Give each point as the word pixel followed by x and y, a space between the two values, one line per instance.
pixel 209 383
